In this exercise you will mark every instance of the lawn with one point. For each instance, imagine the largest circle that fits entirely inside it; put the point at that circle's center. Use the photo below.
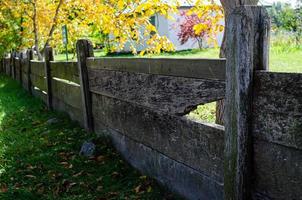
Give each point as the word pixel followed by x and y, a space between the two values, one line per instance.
pixel 39 157
pixel 280 61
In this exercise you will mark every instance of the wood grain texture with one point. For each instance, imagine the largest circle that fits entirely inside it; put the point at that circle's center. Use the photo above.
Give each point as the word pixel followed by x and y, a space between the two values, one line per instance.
pixel 277 108
pixel 195 144
pixel 48 56
pixel 277 171
pixel 175 95
pixel 65 70
pixel 85 50
pixel 190 68
pixel 245 26
pixel 174 175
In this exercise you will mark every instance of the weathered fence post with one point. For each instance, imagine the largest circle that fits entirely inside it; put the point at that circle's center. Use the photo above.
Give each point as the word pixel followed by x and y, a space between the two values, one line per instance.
pixel 84 50
pixel 29 58
pixel 11 72
pixel 20 68
pixel 247 50
pixel 48 57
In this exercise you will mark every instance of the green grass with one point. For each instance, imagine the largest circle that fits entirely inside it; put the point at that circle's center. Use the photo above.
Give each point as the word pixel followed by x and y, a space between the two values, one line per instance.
pixel 39 160
pixel 280 61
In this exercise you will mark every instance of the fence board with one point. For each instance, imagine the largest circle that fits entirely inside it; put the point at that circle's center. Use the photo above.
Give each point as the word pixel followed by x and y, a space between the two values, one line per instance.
pixel 39 82
pixel 67 92
pixel 74 113
pixel 175 95
pixel 65 70
pixel 176 176
pixel 38 68
pixel 194 144
pixel 278 108
pixel 37 92
pixel 278 171
pixel 190 68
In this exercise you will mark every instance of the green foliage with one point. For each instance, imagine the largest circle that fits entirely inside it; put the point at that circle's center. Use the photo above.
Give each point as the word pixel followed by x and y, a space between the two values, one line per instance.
pixel 285 17
pixel 10 37
pixel 39 160
pixel 284 42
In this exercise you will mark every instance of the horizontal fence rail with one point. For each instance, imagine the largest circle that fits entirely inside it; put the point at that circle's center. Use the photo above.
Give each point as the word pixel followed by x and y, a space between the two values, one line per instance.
pixel 189 68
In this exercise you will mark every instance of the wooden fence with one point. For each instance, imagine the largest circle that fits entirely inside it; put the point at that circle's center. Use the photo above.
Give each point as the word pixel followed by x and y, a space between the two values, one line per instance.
pixel 141 104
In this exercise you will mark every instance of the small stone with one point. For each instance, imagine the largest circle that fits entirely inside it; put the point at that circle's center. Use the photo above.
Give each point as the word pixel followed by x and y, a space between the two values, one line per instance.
pixel 87 149
pixel 52 121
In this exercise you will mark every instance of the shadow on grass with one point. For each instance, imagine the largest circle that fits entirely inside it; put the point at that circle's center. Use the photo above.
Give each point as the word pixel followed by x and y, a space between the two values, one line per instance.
pixel 39 160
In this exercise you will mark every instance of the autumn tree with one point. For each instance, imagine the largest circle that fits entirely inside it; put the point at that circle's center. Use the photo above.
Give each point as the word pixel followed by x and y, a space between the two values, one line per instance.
pixel 202 22
pixel 124 21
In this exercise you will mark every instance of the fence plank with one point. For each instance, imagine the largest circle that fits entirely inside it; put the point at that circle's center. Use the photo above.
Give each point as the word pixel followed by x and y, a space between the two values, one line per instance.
pixel 38 68
pixel 197 145
pixel 65 70
pixel 68 93
pixel 190 68
pixel 175 95
pixel 277 171
pixel 277 108
pixel 85 50
pixel 243 56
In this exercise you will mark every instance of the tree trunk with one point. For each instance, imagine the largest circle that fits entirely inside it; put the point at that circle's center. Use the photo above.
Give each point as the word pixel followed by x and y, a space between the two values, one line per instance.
pixel 228 6
pixel 54 24
pixel 35 24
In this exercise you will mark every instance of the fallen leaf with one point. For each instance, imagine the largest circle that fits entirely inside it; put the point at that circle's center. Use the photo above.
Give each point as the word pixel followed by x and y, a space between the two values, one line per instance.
pixel 3 188
pixel 137 189
pixel 30 176
pixel 99 188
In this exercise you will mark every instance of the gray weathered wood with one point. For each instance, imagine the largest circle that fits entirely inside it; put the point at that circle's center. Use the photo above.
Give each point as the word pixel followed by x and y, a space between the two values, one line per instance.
pixel 243 56
pixel 48 58
pixel 174 175
pixel 38 68
pixel 14 65
pixel 29 58
pixel 74 113
pixel 85 50
pixel 175 95
pixel 20 68
pixel 39 82
pixel 190 68
pixel 67 92
pixel 65 70
pixel 197 145
pixel 11 64
pixel 7 66
pixel 277 108
pixel 277 171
